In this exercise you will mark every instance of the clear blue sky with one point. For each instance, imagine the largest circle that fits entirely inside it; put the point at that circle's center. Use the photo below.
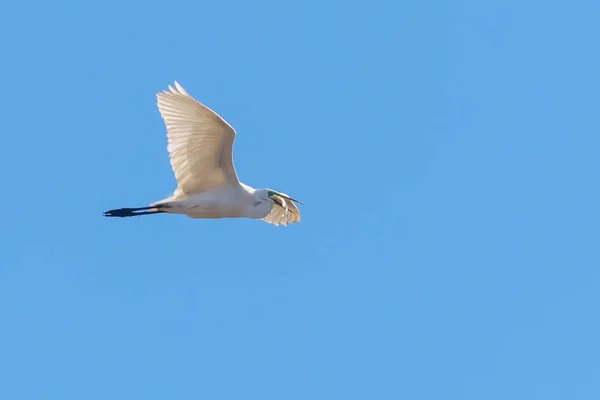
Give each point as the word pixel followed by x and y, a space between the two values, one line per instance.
pixel 447 154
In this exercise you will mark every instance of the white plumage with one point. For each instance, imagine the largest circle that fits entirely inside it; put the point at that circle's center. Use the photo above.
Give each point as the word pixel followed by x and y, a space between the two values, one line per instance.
pixel 200 146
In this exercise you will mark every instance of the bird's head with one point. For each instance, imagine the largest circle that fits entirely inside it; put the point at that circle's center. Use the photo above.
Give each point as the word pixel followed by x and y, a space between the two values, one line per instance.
pixel 283 209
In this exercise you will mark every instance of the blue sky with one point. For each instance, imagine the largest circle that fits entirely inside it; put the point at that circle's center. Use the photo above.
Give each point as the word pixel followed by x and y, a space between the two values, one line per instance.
pixel 447 154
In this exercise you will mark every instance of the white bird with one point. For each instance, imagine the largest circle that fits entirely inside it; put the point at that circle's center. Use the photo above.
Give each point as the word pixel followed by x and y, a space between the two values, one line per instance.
pixel 200 146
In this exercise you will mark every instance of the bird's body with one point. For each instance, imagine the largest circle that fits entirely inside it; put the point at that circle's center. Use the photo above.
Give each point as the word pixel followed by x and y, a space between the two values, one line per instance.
pixel 221 202
pixel 200 145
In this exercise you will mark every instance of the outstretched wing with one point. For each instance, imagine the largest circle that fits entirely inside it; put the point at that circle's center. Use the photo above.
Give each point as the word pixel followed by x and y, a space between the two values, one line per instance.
pixel 283 212
pixel 200 142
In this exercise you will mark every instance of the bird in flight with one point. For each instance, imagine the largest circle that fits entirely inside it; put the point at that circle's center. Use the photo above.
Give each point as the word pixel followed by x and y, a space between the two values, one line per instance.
pixel 200 146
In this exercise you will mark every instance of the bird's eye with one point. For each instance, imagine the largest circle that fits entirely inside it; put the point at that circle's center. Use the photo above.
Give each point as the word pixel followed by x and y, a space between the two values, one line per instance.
pixel 257 203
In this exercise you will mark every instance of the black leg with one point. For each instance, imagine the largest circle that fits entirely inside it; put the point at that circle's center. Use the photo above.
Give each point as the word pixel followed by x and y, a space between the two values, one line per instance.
pixel 131 212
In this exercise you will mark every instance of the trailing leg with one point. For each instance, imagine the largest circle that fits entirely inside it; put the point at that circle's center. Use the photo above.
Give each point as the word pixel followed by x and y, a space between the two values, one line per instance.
pixel 132 212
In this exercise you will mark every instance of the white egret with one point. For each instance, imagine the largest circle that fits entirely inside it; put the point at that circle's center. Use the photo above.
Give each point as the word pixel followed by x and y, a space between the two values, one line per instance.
pixel 200 146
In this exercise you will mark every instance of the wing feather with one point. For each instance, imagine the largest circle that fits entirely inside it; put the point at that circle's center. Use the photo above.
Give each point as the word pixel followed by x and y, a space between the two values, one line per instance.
pixel 200 142
pixel 279 214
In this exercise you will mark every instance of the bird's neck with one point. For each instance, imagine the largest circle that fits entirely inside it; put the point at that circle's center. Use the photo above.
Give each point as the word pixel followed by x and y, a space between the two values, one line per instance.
pixel 247 188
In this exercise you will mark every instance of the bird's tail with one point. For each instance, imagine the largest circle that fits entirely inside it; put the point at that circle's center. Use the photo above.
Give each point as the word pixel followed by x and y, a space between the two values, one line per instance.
pixel 133 212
